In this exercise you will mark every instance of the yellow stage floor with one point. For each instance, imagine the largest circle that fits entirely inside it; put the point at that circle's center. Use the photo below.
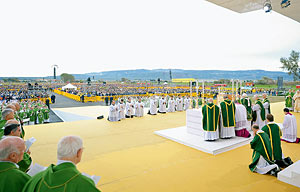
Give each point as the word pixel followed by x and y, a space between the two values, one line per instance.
pixel 131 158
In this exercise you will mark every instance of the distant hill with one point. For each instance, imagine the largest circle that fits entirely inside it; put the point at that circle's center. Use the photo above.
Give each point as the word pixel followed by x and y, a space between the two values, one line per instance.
pixel 163 74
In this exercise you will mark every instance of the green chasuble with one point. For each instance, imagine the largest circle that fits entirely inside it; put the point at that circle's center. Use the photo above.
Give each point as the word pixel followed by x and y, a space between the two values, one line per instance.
pixel 2 123
pixel 40 117
pixel 261 146
pixel 64 177
pixel 248 106
pixel 288 100
pixel 228 113
pixel 11 178
pixel 266 100
pixel 25 163
pixel 273 130
pixel 262 110
pixel 211 115
pixel 45 113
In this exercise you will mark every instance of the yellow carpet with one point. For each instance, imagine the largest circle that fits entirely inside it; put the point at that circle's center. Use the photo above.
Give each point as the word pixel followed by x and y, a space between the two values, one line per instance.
pixel 130 158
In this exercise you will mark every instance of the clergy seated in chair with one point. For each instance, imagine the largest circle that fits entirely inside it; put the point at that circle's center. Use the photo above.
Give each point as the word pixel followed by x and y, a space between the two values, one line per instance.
pixel 262 162
pixel 289 129
pixel 241 121
pixel 12 128
pixel 11 152
pixel 210 120
pixel 63 176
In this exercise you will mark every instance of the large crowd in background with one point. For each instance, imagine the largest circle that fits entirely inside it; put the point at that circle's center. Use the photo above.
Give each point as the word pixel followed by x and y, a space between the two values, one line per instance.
pixel 20 105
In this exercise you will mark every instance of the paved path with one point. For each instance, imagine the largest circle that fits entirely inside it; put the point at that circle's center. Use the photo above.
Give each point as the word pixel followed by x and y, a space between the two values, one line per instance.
pixel 64 102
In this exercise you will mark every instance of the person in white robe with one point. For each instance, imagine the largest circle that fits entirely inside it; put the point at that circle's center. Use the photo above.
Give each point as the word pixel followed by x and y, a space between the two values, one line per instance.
pixel 289 127
pixel 171 104
pixel 257 108
pixel 162 105
pixel 139 108
pixel 179 103
pixel 186 103
pixel 153 106
pixel 247 105
pixel 129 109
pixel 113 112
pixel 241 121
pixel 121 107
pixel 266 104
pixel 296 99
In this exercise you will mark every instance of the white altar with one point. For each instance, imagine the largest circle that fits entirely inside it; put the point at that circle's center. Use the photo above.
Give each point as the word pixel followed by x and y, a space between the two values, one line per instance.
pixel 191 135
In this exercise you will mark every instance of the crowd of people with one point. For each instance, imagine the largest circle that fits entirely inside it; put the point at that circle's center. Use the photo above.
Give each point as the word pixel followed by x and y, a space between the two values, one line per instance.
pixel 231 118
pixel 16 161
pixel 129 108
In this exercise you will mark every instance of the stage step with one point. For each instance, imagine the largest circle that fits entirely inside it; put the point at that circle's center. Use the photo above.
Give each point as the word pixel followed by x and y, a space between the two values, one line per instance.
pixel 291 174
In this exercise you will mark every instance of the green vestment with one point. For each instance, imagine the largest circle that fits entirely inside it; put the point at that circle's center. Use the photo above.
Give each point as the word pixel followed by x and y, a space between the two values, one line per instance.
pixel 2 123
pixel 211 115
pixel 274 132
pixel 25 163
pixel 261 146
pixel 64 177
pixel 248 106
pixel 288 100
pixel 12 179
pixel 228 113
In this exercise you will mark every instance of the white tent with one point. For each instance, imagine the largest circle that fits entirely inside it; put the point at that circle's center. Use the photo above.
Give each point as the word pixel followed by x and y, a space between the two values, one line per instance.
pixel 69 86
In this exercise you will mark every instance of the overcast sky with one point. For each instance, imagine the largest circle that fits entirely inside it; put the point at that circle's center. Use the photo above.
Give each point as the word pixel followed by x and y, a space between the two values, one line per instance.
pixel 100 35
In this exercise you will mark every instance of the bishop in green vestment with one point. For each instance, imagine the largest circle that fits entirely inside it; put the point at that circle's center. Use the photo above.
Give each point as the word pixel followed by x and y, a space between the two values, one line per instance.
pixel 210 120
pixel 64 176
pixel 274 133
pixel 262 161
pixel 227 122
pixel 13 129
pixel 289 100
pixel 12 179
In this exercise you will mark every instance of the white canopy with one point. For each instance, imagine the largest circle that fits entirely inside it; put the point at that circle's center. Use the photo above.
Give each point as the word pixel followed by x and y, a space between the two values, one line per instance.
pixel 69 86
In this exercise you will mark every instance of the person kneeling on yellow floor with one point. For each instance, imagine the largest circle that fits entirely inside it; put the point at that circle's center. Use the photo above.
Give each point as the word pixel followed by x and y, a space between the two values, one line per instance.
pixel 262 161
pixel 63 176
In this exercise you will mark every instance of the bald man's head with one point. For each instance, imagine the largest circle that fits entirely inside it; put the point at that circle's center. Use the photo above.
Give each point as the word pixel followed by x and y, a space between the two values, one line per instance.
pixel 11 106
pixel 12 149
pixel 17 106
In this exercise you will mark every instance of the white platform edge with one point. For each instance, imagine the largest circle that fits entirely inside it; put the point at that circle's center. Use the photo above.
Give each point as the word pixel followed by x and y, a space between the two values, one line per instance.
pixel 289 175
pixel 215 152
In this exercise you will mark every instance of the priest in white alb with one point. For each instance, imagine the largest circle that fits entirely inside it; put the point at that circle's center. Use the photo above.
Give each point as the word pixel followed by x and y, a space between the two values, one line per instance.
pixel 186 103
pixel 162 105
pixel 139 108
pixel 121 107
pixel 296 99
pixel 259 112
pixel 113 112
pixel 153 106
pixel 171 104
pixel 241 121
pixel 129 108
pixel 179 103
pixel 289 127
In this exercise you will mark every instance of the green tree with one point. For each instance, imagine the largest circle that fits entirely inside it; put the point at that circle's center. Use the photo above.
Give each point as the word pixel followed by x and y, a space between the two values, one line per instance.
pixel 291 64
pixel 65 77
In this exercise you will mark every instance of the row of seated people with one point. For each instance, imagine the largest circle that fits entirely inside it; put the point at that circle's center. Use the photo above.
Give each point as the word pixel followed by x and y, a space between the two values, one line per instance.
pixel 63 176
